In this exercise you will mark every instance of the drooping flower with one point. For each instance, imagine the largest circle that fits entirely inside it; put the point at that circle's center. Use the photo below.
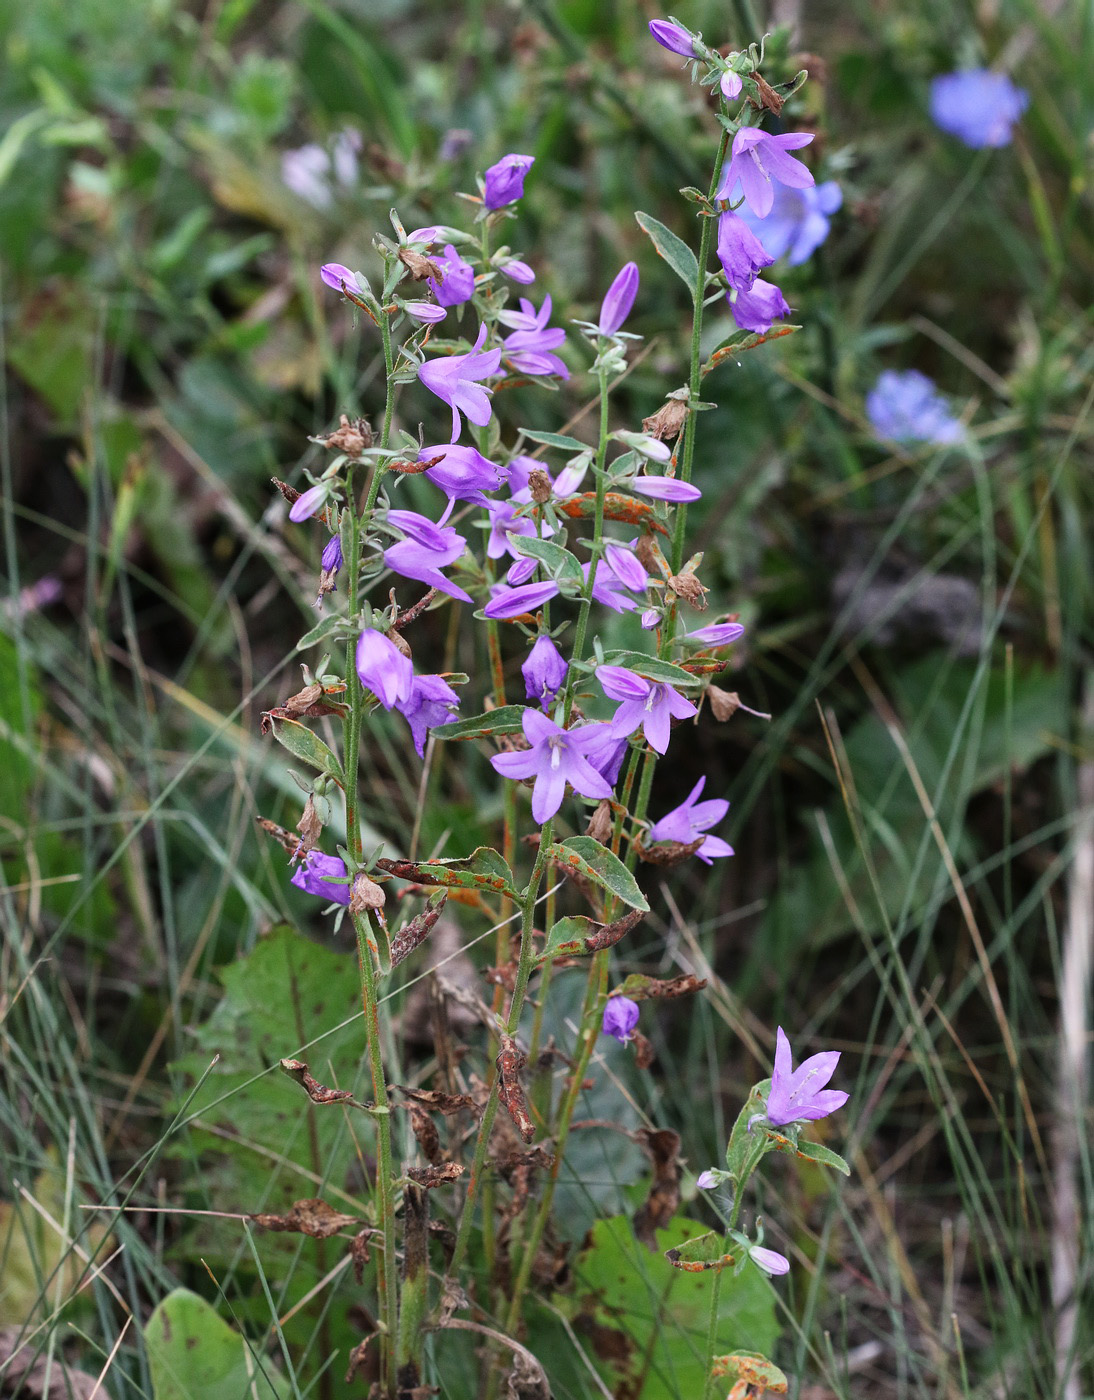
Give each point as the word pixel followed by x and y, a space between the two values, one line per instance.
pixel 383 668
pixel 759 308
pixel 305 171
pixel 618 299
pixel 427 550
pixel 739 251
pixel 625 565
pixel 707 1180
pixel 457 282
pixel 543 671
pixel 315 873
pixel 977 106
pixel 666 488
pixel 504 521
pixel 606 752
pixel 798 1095
pixel 620 1018
pixel 554 758
pixel 672 37
pixel 691 819
pixel 513 602
pixel 798 222
pixel 463 473
pixel 718 634
pixel 505 180
pixel 646 705
pixel 528 348
pixel 770 1260
pixel 309 502
pixel 335 274
pixel 331 561
pixel 905 406
pixel 453 378
pixel 759 158
pixel 431 701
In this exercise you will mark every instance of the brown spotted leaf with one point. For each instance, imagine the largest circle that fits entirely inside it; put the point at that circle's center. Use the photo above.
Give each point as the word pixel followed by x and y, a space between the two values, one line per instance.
pixel 440 1175
pixel 511 1061
pixel 318 1093
pixel 639 987
pixel 308 1217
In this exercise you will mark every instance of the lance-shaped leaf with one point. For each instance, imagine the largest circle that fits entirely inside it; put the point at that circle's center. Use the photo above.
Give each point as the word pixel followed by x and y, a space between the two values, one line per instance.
pixel 812 1152
pixel 561 563
pixel 308 747
pixel 588 858
pixel 639 987
pixel 673 249
pixel 741 341
pixel 506 719
pixel 566 444
pixel 484 868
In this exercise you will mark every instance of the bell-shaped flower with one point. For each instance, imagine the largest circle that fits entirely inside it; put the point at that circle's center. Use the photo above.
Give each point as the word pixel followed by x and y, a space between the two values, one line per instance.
pixel 618 299
pixel 463 473
pixel 620 1018
pixel 691 819
pixel 431 701
pixel 554 758
pixel 647 705
pixel 383 668
pixel 515 602
pixel 905 406
pixel 315 873
pixel 798 1095
pixel 457 281
pixel 977 106
pixel 798 222
pixel 528 348
pixel 427 549
pixel 505 180
pixel 759 308
pixel 518 271
pixel 672 37
pixel 625 565
pixel 504 521
pixel 608 590
pixel 759 161
pixel 454 379
pixel 543 671
pixel 739 251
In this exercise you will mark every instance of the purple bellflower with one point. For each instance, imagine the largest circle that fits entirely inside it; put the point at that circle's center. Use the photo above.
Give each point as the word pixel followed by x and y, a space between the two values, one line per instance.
pixel 759 308
pixel 521 570
pixel 620 1018
pixel 309 502
pixel 505 180
pixel 625 565
pixel 314 875
pixel 706 1181
pixel 691 819
pixel 608 590
pixel 977 106
pixel 649 705
pixel 383 668
pixel 718 634
pixel 457 282
pixel 463 473
pixel 618 299
pixel 334 274
pixel 518 271
pixel 515 602
pixel 555 757
pixel 427 550
pixel 543 671
pixel 798 1095
pixel 770 1260
pixel 667 488
pixel 672 37
pixel 424 312
pixel 759 158
pixel 331 561
pixel 431 701
pixel 504 521
pixel 606 752
pixel 905 406
pixel 528 348
pixel 453 378
pixel 740 252
pixel 564 484
pixel 798 222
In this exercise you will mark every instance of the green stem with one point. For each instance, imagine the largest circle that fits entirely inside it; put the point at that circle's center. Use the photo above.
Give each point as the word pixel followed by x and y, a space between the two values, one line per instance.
pixel 715 1292
pixel 598 536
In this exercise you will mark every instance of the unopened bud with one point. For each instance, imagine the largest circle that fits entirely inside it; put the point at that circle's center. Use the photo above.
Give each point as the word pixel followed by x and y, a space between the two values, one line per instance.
pixel 310 825
pixel 419 266
pixel 539 483
pixel 724 703
pixel 688 587
pixel 600 823
pixel 366 894
pixel 666 423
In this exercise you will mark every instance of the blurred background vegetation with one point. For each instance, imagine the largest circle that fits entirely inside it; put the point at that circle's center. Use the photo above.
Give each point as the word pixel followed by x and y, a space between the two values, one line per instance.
pixel 919 626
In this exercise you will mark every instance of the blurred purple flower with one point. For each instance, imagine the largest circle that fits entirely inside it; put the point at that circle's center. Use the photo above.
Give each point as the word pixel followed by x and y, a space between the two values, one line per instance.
pixel 457 283
pixel 383 668
pixel 505 180
pixel 691 819
pixel 759 158
pixel 518 271
pixel 620 1018
pixel 618 299
pixel 759 308
pixel 455 141
pixel 555 757
pixel 425 312
pixel 513 602
pixel 646 705
pixel 453 378
pixel 314 874
pixel 305 171
pixel 770 1260
pixel 665 488
pixel 718 634
pixel 798 1095
pixel 905 406
pixel 527 349
pixel 798 222
pixel 431 701
pixel 977 106
pixel 672 37
pixel 739 251
pixel 309 502
pixel 544 671
pixel 427 550
pixel 463 473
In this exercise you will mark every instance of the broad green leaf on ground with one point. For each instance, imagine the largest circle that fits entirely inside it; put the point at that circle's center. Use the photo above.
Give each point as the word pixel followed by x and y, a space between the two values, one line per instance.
pixel 648 1321
pixel 193 1354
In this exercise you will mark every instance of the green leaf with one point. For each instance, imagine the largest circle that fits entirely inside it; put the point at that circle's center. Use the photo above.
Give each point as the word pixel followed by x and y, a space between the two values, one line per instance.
pixel 506 719
pixel 193 1354
pixel 597 863
pixel 567 938
pixel 318 632
pixel 740 341
pixel 561 562
pixel 659 1315
pixel 308 747
pixel 673 249
pixel 484 868
pixel 816 1152
pixel 651 667
pixel 567 444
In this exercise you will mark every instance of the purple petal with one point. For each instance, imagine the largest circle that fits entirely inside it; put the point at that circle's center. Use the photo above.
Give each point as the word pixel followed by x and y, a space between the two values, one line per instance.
pixel 334 274
pixel 665 488
pixel 312 500
pixel 620 684
pixel 619 299
pixel 513 602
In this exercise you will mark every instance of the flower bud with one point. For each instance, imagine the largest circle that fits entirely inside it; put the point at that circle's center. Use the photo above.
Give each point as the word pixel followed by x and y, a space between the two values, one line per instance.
pixel 620 1018
pixel 672 37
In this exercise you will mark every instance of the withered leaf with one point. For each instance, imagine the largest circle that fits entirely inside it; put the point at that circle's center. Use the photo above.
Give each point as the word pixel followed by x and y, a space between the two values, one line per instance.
pixel 610 934
pixel 414 934
pixel 435 1101
pixel 435 1176
pixel 643 1050
pixel 639 987
pixel 511 1060
pixel 425 1131
pixel 359 1253
pixel 668 852
pixel 309 703
pixel 293 844
pixel 357 1357
pixel 308 1217
pixel 26 1371
pixel 662 1146
pixel 318 1093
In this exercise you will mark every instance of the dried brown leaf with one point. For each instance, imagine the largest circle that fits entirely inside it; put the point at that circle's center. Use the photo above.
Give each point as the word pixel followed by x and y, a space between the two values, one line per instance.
pixel 308 1217
pixel 662 1146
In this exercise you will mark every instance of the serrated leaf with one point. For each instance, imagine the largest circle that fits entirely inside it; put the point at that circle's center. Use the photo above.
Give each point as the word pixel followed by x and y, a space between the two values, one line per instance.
pixel 506 719
pixel 560 561
pixel 651 667
pixel 308 747
pixel 673 249
pixel 560 440
pixel 589 858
